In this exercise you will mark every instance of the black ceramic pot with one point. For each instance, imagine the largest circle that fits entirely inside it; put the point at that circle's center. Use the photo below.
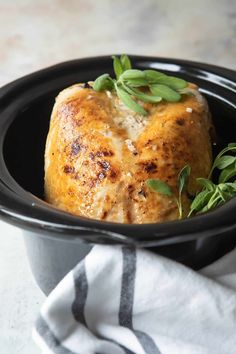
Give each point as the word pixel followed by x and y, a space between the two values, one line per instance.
pixel 55 240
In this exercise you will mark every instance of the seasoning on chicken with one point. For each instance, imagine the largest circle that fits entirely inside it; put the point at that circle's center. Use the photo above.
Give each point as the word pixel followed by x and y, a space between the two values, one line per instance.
pixel 99 154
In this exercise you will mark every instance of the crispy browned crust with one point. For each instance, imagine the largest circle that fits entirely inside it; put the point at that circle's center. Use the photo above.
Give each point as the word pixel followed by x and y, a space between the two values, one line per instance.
pixel 91 171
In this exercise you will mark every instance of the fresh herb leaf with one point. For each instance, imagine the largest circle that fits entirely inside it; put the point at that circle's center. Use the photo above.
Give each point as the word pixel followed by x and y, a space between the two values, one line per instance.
pixel 174 82
pixel 103 82
pixel 160 187
pixel 129 102
pixel 135 82
pixel 163 188
pixel 227 173
pixel 212 194
pixel 225 161
pixel 204 182
pixel 183 178
pixel 117 66
pixel 125 62
pixel 153 76
pixel 134 78
pixel 142 96
pixel 165 92
pixel 231 187
pixel 182 185
pixel 230 148
pixel 215 199
pixel 156 77
pixel 200 201
pixel 133 74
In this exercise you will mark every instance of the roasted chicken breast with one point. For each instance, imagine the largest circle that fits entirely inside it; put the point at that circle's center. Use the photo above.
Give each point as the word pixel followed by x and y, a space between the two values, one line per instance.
pixel 99 154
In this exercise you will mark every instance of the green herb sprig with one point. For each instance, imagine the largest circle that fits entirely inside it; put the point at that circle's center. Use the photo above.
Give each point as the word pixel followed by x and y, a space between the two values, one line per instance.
pixel 129 81
pixel 213 195
pixel 225 163
pixel 164 189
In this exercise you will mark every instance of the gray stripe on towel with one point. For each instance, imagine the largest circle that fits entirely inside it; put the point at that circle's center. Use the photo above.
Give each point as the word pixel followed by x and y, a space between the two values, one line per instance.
pixel 147 342
pixel 49 338
pixel 81 292
pixel 127 287
pixel 127 299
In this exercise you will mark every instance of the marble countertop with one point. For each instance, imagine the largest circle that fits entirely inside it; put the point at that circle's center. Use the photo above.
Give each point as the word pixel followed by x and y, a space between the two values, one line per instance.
pixel 19 295
pixel 39 33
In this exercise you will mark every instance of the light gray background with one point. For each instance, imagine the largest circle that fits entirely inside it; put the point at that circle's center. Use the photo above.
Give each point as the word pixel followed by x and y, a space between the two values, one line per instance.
pixel 35 34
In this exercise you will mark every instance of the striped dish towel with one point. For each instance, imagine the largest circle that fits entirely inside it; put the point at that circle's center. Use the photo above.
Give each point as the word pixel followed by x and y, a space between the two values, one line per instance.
pixel 119 300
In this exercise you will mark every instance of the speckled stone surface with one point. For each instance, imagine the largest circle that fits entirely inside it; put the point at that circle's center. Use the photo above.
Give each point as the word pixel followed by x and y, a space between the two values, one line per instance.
pixel 35 34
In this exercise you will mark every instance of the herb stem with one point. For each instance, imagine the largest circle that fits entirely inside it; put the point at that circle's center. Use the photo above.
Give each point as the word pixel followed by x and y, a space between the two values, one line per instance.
pixel 179 205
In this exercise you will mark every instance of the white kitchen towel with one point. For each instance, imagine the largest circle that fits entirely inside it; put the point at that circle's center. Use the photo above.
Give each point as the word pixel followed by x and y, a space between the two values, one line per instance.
pixel 121 300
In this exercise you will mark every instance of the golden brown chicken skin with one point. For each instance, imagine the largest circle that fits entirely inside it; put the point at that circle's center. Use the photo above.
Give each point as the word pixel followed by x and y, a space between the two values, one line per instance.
pixel 99 154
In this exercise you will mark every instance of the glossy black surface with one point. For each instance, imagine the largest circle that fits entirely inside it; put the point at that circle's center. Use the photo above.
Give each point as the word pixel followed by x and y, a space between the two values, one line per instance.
pixel 25 108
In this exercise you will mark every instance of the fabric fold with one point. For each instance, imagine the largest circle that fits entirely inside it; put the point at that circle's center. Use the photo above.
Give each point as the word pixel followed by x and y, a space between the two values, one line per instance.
pixel 124 300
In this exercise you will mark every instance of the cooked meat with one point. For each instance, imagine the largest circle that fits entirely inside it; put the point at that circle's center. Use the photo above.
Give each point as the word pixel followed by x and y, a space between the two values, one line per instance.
pixel 99 154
